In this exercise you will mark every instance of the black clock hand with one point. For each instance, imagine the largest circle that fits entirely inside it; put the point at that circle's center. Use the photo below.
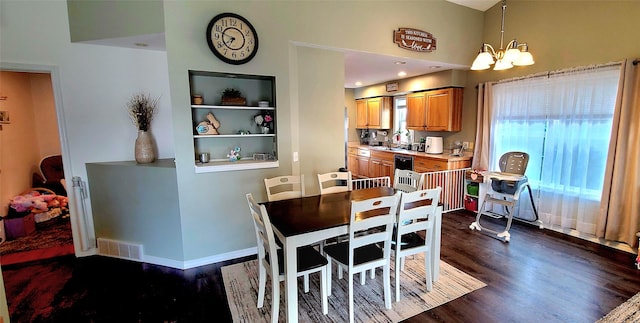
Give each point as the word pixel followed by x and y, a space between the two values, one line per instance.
pixel 231 39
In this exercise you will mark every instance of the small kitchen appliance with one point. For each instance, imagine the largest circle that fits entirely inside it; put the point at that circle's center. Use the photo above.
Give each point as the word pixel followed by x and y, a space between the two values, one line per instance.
pixel 433 145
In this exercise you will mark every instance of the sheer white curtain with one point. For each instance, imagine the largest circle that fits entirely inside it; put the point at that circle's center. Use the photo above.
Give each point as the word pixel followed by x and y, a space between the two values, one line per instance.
pixel 563 121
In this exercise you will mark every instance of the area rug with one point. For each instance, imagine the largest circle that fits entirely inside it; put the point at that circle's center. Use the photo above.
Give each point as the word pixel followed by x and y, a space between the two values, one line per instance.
pixel 628 311
pixel 241 285
pixel 56 233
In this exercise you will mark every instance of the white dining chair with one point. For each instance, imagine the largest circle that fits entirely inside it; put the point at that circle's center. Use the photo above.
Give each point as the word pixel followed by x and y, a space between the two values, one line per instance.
pixel 284 187
pixel 367 251
pixel 416 214
pixel 271 261
pixel 407 180
pixel 334 182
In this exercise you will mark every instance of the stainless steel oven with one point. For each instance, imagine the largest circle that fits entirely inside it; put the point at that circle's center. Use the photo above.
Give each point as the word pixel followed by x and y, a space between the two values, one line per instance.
pixel 403 162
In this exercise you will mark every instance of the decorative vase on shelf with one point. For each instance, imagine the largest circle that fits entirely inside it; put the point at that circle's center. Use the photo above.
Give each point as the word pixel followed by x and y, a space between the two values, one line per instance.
pixel 265 130
pixel 144 150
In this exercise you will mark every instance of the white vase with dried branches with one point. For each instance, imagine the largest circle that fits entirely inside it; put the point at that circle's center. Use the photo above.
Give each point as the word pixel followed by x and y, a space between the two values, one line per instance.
pixel 142 109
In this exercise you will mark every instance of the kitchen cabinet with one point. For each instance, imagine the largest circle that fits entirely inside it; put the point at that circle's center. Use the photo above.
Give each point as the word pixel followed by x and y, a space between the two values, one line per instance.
pixel 363 162
pixel 381 164
pixel 358 162
pixel 352 161
pixel 435 110
pixel 426 164
pixel 374 113
pixel 237 126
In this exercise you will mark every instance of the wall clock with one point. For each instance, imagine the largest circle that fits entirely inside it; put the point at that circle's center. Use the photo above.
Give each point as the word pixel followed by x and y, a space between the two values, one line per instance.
pixel 232 38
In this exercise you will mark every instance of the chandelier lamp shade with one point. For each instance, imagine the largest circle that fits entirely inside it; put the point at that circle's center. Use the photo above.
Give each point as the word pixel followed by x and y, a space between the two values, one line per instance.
pixel 514 54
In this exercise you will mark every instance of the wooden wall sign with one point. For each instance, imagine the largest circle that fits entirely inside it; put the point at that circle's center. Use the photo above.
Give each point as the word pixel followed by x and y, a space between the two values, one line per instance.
pixel 414 39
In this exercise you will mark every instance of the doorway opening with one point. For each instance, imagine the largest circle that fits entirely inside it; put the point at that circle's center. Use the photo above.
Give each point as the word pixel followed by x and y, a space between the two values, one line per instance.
pixel 38 222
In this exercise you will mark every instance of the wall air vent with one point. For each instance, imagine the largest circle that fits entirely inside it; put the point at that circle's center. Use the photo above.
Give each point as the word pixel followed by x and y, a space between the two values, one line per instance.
pixel 120 249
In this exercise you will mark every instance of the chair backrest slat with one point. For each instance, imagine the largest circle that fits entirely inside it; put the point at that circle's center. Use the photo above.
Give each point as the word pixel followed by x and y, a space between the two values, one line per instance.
pixel 334 182
pixel 284 187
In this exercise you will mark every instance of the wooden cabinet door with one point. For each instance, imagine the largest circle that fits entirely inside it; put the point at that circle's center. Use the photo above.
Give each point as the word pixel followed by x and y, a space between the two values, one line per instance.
pixel 387 169
pixel 375 167
pixel 416 109
pixel 374 113
pixel 444 110
pixel 361 114
pixel 363 166
pixel 352 165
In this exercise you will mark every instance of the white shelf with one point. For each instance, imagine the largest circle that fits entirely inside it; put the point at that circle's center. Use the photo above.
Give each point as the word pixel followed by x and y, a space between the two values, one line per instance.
pixel 230 107
pixel 243 164
pixel 235 136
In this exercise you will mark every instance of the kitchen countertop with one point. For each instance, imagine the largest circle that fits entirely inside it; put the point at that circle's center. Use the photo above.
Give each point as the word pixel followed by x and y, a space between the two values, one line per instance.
pixel 444 156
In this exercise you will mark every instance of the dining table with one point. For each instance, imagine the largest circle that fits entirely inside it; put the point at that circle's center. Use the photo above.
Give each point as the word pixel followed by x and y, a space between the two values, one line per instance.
pixel 307 220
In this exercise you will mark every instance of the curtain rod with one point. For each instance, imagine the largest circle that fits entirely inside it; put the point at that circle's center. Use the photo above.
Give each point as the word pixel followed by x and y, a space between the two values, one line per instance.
pixel 549 73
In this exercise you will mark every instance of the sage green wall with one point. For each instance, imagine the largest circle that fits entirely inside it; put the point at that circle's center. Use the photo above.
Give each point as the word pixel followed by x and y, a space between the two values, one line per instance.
pixel 212 205
pixel 103 19
pixel 560 34
pixel 321 106
pixel 138 204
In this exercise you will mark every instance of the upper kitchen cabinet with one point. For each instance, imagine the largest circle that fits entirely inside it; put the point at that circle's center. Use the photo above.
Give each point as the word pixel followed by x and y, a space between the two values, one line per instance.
pixel 374 113
pixel 435 110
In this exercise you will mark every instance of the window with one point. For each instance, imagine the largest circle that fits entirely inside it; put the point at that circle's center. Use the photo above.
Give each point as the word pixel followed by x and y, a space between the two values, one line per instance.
pixel 563 121
pixel 400 120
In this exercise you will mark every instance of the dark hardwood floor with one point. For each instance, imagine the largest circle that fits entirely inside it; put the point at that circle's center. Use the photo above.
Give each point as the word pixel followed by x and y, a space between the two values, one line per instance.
pixel 540 276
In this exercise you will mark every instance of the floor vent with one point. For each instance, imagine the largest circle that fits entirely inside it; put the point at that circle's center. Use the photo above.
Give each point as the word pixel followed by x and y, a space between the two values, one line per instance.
pixel 120 249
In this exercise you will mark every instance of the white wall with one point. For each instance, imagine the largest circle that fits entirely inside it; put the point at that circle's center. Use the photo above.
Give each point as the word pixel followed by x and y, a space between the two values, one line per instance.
pixel 95 83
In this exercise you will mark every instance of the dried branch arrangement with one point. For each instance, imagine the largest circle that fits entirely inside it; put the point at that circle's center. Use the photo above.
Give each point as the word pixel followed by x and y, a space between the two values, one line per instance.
pixel 142 110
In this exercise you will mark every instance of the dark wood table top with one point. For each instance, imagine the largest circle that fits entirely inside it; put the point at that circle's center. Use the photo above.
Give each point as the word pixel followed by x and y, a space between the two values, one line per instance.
pixel 312 213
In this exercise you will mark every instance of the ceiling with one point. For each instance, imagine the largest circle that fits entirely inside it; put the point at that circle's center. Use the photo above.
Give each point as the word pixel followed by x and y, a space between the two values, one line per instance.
pixel 366 68
pixel 369 68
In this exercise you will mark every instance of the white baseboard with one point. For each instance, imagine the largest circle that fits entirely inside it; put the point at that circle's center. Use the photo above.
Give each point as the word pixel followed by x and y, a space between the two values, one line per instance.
pixel 201 261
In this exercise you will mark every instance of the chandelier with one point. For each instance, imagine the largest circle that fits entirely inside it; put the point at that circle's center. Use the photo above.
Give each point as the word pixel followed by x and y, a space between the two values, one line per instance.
pixel 514 54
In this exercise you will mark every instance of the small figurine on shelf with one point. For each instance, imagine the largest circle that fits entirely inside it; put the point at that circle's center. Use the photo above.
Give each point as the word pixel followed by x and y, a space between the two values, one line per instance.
pixel 208 127
pixel 234 154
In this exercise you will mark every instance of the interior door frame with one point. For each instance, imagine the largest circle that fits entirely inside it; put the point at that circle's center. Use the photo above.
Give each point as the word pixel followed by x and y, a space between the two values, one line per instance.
pixel 81 230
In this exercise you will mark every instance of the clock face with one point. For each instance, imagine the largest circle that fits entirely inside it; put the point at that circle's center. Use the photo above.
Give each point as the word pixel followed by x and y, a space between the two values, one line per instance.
pixel 232 38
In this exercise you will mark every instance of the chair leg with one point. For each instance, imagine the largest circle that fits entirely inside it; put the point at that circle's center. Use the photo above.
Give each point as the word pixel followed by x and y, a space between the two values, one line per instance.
pixel 275 299
pixel 402 263
pixel 306 283
pixel 373 273
pixel 363 274
pixel 323 290
pixel 397 277
pixel 328 273
pixel 262 282
pixel 350 297
pixel 340 267
pixel 428 267
pixel 387 286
